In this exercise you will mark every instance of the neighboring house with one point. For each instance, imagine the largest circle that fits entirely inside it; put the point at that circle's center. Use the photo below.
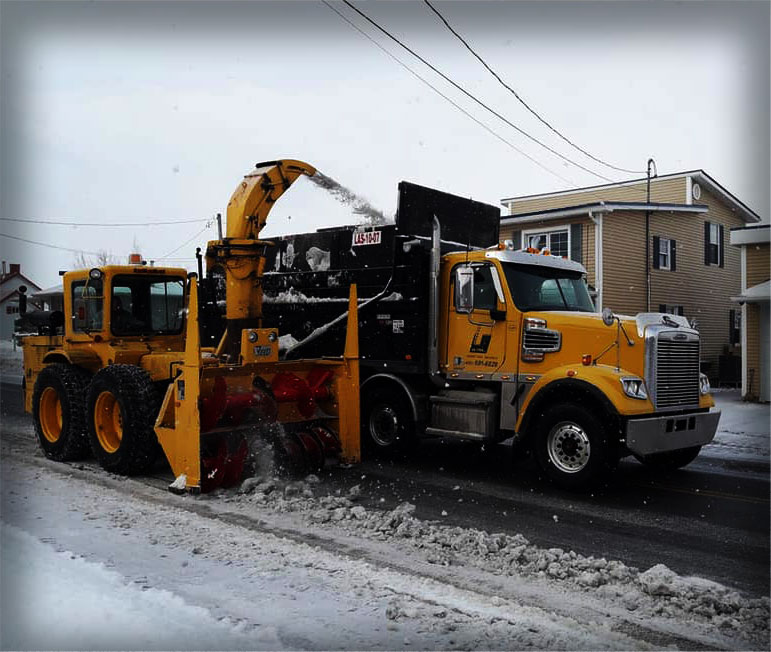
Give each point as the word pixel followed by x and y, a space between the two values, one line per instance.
pixel 686 267
pixel 51 298
pixel 753 242
pixel 10 282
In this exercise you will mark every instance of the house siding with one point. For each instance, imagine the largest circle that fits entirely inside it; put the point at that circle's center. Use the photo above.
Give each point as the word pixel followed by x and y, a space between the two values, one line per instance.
pixel 664 191
pixel 758 263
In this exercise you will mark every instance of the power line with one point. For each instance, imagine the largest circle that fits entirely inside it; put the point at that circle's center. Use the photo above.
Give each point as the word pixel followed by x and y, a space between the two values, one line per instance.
pixel 521 101
pixel 50 246
pixel 102 224
pixel 173 251
pixel 473 97
pixel 438 92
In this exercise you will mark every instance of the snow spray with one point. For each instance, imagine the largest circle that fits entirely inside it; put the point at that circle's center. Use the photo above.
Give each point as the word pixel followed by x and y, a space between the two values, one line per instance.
pixel 360 206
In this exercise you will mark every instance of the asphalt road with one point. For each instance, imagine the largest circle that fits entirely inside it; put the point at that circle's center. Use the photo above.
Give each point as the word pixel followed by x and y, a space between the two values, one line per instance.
pixel 710 519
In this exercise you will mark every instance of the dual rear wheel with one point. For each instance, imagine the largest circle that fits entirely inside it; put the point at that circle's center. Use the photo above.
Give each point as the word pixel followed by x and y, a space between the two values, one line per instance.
pixel 110 415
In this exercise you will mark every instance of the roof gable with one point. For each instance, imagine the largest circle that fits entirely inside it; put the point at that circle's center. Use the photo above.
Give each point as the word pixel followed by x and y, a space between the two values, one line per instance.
pixel 700 176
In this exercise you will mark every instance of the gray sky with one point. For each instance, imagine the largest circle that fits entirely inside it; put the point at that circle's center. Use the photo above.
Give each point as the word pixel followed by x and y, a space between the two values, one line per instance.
pixel 145 112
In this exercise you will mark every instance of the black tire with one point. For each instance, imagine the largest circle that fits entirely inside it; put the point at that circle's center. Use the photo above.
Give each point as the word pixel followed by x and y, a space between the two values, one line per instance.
pixel 58 409
pixel 122 405
pixel 387 423
pixel 670 460
pixel 573 448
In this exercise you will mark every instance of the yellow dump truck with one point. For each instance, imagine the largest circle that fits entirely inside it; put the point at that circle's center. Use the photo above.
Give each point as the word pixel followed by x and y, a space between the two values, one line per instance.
pixel 465 338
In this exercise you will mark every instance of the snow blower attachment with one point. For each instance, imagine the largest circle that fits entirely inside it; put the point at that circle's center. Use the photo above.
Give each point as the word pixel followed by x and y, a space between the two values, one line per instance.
pixel 224 404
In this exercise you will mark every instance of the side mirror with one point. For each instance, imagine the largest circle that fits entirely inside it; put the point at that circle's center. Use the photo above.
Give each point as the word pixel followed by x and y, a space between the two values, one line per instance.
pixel 464 289
pixel 498 315
pixel 608 317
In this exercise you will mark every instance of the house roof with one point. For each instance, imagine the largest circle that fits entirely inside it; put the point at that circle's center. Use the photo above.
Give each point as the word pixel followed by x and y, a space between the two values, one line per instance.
pixel 747 214
pixel 15 293
pixel 600 207
pixel 13 275
pixel 756 294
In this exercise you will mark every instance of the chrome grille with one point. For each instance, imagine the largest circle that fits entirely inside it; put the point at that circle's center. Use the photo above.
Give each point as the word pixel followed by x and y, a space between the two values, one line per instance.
pixel 677 370
pixel 541 339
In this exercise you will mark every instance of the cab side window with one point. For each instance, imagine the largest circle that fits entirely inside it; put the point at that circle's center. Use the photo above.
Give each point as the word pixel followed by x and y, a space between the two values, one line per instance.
pixel 485 296
pixel 87 305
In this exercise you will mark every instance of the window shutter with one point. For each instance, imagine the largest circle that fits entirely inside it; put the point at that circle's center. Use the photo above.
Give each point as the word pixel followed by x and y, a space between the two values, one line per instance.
pixel 516 238
pixel 721 242
pixel 656 244
pixel 576 234
pixel 706 243
pixel 680 311
pixel 662 307
pixel 673 255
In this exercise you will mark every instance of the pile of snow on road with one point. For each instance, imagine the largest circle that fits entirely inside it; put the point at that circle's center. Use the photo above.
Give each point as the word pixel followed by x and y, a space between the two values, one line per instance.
pixel 657 591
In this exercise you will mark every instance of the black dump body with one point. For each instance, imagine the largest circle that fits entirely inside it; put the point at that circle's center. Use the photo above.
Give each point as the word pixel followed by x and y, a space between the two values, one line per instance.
pixel 308 276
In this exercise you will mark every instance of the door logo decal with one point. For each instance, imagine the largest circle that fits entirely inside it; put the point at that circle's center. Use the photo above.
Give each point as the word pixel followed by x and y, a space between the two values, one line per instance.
pixel 480 343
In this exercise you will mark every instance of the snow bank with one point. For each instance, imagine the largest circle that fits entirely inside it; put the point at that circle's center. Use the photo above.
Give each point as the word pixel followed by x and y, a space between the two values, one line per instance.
pixel 655 592
pixel 56 601
pixel 11 358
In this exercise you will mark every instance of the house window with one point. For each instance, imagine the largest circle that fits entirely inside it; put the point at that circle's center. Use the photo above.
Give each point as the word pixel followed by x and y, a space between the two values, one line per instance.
pixel 671 309
pixel 557 241
pixel 11 310
pixel 713 244
pixel 664 253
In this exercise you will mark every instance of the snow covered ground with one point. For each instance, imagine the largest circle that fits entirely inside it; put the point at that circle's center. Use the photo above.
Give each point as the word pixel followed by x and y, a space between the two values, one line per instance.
pixel 10 359
pixel 114 563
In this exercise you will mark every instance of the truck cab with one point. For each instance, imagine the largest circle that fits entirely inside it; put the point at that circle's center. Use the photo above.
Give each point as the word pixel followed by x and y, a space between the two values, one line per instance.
pixel 115 314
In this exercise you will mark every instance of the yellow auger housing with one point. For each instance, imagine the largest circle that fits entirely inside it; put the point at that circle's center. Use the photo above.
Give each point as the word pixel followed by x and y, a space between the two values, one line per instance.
pixel 308 408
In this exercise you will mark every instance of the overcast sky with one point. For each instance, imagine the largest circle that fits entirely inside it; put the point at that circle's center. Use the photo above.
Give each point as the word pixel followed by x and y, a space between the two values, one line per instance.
pixel 146 112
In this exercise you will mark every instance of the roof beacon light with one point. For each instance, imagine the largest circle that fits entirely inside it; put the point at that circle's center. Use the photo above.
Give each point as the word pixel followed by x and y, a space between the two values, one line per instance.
pixel 135 259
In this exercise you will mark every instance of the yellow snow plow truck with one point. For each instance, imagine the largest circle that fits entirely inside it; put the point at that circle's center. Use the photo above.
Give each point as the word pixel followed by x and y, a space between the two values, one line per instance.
pixel 128 375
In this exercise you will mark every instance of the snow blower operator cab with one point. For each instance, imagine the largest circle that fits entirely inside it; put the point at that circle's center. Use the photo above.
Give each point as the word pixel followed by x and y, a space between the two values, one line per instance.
pixel 464 338
pixel 122 373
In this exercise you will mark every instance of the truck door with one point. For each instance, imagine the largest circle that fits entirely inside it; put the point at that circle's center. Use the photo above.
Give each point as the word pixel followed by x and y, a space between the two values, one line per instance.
pixel 476 328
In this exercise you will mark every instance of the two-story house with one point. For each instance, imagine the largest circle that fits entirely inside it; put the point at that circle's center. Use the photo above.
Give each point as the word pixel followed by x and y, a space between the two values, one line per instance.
pixel 662 248
pixel 753 241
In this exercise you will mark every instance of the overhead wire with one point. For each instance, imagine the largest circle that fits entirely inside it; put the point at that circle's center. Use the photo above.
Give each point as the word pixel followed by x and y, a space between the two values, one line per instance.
pixel 472 96
pixel 445 97
pixel 102 224
pixel 186 242
pixel 522 101
pixel 51 246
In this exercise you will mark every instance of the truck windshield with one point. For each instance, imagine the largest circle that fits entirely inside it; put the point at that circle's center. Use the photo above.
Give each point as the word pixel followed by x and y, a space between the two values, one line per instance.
pixel 546 288
pixel 146 305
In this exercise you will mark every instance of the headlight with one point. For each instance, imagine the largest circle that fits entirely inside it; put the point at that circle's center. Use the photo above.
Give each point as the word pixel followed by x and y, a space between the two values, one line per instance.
pixel 634 387
pixel 703 384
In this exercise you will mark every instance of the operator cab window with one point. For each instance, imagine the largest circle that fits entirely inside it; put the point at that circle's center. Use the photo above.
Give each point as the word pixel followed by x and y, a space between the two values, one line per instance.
pixel 477 287
pixel 87 305
pixel 142 305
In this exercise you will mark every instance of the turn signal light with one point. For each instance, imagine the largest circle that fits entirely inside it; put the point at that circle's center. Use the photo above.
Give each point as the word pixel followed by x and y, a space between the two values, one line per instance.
pixel 586 359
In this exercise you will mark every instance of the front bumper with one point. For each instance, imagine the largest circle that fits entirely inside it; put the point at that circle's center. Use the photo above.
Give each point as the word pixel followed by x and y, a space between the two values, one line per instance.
pixel 669 433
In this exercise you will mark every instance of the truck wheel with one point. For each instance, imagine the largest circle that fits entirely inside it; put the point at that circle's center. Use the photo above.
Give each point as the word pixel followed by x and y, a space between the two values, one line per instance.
pixel 59 412
pixel 572 447
pixel 670 460
pixel 122 408
pixel 387 424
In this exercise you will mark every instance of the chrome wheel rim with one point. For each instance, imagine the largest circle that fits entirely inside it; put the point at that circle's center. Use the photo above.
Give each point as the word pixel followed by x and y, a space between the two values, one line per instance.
pixel 568 447
pixel 384 425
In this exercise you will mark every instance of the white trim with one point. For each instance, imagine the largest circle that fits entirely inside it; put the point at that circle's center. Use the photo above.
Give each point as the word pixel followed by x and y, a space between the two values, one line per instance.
pixel 598 258
pixel 744 236
pixel 689 190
